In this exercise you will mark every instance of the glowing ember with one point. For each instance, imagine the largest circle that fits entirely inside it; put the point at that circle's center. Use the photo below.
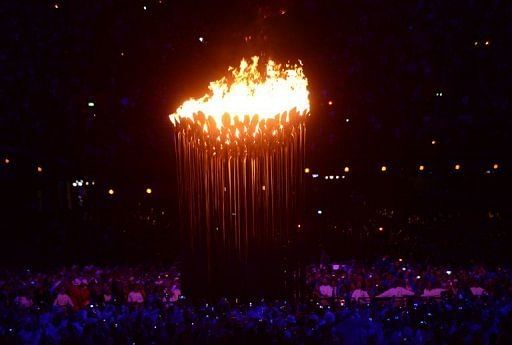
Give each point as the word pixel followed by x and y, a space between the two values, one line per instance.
pixel 247 104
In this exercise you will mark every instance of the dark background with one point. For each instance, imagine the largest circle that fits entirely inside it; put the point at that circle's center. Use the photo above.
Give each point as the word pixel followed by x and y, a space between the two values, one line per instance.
pixel 382 64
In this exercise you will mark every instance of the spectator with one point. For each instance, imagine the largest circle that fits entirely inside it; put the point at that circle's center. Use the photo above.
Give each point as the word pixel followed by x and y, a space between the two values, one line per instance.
pixel 63 300
pixel 135 296
pixel 23 300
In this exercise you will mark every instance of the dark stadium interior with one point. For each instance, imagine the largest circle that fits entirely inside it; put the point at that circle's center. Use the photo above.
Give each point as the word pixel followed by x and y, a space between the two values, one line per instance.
pixel 408 151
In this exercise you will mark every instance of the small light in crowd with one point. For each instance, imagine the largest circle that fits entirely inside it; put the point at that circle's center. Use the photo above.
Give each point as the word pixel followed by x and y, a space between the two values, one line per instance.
pixel 330 102
pixel 319 212
pixel 448 272
pixel 383 168
pixel 487 43
pixel 298 225
pixel 337 177
pixel 347 120
pixel 403 268
pixel 346 169
pixel 495 166
pixel 457 167
pixel 381 228
pixel 149 191
pixel 433 142
pixel 314 175
pixel 111 191
pixel 400 260
pixel 90 104
pixel 331 177
pixel 421 168
pixel 439 94
pixel 86 183
pixel 306 170
pixel 39 169
pixel 145 7
pixel 475 43
pixel 122 53
pixel 418 277
pixel 326 177
pixel 263 187
pixel 343 176
pixel 56 6
pixel 201 39
pixel 7 160
pixel 74 184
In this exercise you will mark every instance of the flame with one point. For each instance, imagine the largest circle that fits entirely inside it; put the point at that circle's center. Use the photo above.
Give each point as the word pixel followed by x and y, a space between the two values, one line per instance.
pixel 248 102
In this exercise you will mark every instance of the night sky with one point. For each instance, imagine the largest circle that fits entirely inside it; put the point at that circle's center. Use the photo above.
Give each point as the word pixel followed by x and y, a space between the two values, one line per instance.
pixel 383 66
pixel 87 88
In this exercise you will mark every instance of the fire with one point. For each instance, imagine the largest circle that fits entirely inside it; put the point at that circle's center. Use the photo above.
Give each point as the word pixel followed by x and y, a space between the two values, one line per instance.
pixel 247 104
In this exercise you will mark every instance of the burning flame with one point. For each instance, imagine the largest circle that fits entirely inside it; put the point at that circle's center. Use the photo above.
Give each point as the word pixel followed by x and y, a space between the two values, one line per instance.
pixel 248 102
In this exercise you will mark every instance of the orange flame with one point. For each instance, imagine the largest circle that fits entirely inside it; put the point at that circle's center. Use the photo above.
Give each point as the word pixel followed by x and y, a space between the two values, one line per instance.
pixel 248 102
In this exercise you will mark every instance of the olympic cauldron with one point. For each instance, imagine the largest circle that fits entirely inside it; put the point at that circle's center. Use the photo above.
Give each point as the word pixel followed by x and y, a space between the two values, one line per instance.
pixel 240 158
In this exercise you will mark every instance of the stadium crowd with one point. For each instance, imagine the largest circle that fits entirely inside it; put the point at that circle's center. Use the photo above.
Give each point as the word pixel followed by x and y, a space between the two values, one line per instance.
pixel 397 278
pixel 133 305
